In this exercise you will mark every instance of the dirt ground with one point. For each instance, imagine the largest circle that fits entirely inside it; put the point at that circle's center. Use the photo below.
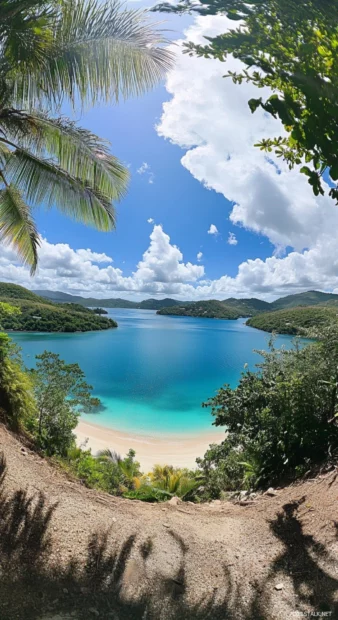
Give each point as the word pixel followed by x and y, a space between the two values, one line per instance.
pixel 67 552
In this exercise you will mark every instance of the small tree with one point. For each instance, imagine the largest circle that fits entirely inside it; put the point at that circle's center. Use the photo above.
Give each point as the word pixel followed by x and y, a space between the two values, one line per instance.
pixel 61 394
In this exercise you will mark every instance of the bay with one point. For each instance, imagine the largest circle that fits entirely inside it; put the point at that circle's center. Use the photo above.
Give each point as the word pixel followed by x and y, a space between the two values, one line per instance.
pixel 153 372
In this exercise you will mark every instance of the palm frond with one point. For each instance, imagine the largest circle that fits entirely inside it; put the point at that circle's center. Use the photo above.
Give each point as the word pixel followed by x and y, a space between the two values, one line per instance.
pixel 17 226
pixel 109 455
pixel 46 183
pixel 77 151
pixel 99 52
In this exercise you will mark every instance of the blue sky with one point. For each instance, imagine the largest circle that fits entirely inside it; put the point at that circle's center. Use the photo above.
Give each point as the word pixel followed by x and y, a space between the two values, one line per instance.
pixel 184 207
pixel 195 134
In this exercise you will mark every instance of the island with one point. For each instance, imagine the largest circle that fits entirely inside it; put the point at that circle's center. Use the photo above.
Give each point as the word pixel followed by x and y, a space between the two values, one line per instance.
pixel 40 315
pixel 211 309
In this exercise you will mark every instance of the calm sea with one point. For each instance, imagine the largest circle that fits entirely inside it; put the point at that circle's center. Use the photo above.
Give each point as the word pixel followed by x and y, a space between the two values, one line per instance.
pixel 153 372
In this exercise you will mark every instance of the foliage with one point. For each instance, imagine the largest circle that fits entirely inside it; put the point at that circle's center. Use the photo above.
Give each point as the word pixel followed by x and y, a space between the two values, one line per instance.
pixel 280 420
pixel 17 403
pixel 94 472
pixel 61 394
pixel 79 52
pixel 162 483
pixel 307 321
pixel 290 48
pixel 128 467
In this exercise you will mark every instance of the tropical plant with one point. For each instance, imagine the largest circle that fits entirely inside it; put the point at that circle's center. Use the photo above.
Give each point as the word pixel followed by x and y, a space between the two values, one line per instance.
pixel 129 468
pixel 17 402
pixel 289 48
pixel 53 52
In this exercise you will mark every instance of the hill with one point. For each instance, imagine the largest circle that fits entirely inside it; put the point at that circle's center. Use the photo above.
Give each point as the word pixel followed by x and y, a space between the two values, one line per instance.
pixel 298 321
pixel 310 298
pixel 211 309
pixel 111 302
pixel 248 307
pixel 40 315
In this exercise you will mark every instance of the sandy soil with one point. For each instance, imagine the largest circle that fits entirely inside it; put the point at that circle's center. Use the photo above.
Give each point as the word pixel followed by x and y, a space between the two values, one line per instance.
pixel 67 552
pixel 180 451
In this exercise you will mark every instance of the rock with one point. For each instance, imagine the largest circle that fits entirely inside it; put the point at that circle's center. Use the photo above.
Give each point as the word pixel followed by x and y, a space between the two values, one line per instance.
pixel 271 492
pixel 243 494
pixel 114 519
pixel 174 501
pixel 279 586
pixel 166 525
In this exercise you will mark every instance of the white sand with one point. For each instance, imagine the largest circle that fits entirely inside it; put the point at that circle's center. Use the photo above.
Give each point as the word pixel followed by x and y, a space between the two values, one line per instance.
pixel 177 450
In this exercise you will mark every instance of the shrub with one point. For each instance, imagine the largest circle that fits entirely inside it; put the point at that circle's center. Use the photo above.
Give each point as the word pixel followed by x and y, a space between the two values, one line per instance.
pixel 280 420
pixel 17 403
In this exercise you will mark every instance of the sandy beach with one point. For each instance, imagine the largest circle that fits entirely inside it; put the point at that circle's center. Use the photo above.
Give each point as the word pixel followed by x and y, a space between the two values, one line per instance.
pixel 171 449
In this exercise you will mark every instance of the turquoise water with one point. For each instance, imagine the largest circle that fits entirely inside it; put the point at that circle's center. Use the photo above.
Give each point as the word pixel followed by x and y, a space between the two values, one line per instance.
pixel 153 372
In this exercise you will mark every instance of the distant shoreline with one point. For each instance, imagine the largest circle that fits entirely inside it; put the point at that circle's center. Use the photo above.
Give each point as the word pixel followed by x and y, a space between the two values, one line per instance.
pixel 172 449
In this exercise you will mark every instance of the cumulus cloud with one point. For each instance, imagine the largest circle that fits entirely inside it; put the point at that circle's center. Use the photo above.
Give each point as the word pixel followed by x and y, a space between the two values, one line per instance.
pixel 162 271
pixel 199 256
pixel 209 117
pixel 150 220
pixel 232 240
pixel 212 230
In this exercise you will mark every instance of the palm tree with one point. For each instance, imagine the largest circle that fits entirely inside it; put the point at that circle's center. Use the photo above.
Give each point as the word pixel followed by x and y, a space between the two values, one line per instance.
pixel 51 52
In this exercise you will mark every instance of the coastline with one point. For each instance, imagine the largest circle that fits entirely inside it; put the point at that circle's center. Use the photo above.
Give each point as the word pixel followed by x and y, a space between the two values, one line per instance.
pixel 177 450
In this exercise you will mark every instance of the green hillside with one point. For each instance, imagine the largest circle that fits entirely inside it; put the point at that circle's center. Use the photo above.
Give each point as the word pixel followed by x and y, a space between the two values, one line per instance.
pixel 298 321
pixel 310 298
pixel 40 315
pixel 247 307
pixel 211 309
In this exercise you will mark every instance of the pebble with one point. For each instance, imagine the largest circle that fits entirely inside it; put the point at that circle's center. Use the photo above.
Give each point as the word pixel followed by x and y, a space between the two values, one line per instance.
pixel 279 586
pixel 271 492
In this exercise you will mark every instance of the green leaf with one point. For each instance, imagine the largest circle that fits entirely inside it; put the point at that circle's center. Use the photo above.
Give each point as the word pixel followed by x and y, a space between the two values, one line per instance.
pixel 17 226
pixel 254 104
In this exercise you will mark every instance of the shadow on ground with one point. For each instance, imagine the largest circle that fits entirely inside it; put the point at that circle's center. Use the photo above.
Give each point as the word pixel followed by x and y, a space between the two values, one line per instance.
pixel 32 587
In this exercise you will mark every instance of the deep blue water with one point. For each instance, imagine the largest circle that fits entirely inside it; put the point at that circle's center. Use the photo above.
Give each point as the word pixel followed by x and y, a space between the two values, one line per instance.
pixel 153 372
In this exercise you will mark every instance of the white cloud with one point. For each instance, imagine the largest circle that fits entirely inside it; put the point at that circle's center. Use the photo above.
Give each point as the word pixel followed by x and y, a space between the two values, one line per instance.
pixel 143 169
pixel 232 240
pixel 146 169
pixel 162 271
pixel 150 220
pixel 209 117
pixel 199 256
pixel 212 230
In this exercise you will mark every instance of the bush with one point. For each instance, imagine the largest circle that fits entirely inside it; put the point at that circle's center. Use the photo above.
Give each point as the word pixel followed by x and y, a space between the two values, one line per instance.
pixel 280 420
pixel 17 403
pixel 94 472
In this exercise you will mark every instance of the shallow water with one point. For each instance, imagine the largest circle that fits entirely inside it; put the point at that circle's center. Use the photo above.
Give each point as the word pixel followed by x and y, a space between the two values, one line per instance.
pixel 153 372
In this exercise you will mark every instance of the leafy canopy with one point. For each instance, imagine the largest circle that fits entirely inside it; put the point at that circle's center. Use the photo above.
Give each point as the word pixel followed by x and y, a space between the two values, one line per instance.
pixel 291 48
pixel 80 52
